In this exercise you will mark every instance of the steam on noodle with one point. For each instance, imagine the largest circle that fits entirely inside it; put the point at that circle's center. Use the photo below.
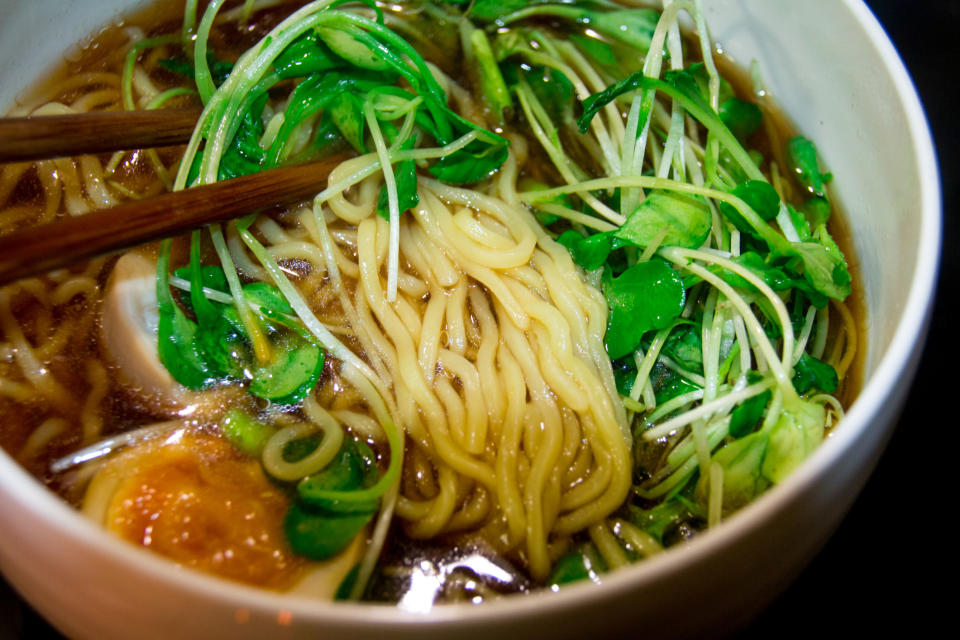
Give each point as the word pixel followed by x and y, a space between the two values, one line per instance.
pixel 460 355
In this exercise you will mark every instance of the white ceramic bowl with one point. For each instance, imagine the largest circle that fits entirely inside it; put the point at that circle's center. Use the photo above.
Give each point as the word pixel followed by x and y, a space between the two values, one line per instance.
pixel 832 68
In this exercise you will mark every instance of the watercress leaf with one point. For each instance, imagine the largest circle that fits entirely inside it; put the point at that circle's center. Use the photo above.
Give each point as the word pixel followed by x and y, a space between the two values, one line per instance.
pixel 490 10
pixel 760 196
pixel 597 49
pixel 176 345
pixel 589 252
pixel 554 91
pixel 824 270
pixel 304 56
pixel 266 296
pixel 211 277
pixel 291 374
pixel 686 219
pixel 648 295
pixel 318 535
pixel 245 155
pixel 624 374
pixel 247 434
pixel 219 69
pixel 746 417
pixel 348 41
pixel 178 65
pixel 578 565
pixel 774 277
pixel 405 174
pixel 668 384
pixel 811 373
pixel 685 347
pixel 633 27
pixel 792 438
pixel 800 223
pixel 741 117
pixel 597 101
pixel 742 462
pixel 473 163
pixel 346 112
pixel 178 350
pixel 660 519
pixel 817 210
pixel 203 309
pixel 698 71
pixel 350 471
pixel 563 199
pixel 802 159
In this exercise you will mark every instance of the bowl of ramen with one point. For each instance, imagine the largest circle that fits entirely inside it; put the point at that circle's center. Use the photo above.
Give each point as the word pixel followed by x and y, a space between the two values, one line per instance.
pixel 591 324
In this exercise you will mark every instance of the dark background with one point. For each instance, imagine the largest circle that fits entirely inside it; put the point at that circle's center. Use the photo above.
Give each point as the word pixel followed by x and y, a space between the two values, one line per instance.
pixel 883 570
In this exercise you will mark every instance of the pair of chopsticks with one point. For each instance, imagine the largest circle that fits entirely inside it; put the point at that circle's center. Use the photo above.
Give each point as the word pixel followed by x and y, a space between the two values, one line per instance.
pixel 55 245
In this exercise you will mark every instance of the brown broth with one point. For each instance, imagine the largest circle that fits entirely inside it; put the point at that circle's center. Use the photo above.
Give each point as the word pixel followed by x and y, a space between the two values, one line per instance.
pixel 122 411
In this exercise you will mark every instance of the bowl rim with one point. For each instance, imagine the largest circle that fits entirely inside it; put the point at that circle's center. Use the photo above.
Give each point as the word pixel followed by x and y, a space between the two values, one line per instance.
pixel 903 348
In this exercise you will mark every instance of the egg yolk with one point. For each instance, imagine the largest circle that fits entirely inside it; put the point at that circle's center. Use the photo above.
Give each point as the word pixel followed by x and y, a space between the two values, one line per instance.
pixel 202 505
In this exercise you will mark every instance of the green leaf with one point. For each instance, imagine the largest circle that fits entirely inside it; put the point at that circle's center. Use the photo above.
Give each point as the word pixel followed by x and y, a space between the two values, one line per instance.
pixel 475 162
pixel 490 10
pixel 346 111
pixel 304 56
pixel 405 174
pixel 176 344
pixel 800 223
pixel 580 564
pixel 291 374
pixel 648 295
pixel 742 118
pixel 347 41
pixel 810 373
pixel 659 519
pixel 351 470
pixel 824 270
pixel 245 156
pixel 686 219
pixel 219 69
pixel 792 438
pixel 245 433
pixel 817 210
pixel 318 535
pixel 589 252
pixel 743 478
pixel 802 159
pixel 668 384
pixel 759 196
pixel 624 374
pixel 554 91
pixel 745 418
pixel 685 347
pixel 267 297
pixel 597 49
pixel 633 27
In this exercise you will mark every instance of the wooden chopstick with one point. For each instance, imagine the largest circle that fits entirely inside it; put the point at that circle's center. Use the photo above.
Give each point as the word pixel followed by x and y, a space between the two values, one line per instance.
pixel 59 244
pixel 38 137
